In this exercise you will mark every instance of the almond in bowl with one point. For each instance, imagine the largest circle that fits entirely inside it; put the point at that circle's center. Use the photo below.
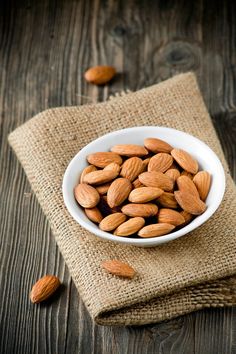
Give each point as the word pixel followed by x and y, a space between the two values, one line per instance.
pixel 143 193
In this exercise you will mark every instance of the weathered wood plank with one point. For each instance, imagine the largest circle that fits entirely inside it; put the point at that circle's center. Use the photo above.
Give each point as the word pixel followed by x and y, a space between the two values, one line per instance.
pixel 45 48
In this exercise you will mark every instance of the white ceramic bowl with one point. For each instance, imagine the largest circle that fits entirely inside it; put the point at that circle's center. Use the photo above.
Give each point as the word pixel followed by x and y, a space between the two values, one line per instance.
pixel 206 158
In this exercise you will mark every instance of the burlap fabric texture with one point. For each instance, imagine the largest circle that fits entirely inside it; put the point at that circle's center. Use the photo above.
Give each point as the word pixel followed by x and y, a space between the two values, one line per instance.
pixel 193 272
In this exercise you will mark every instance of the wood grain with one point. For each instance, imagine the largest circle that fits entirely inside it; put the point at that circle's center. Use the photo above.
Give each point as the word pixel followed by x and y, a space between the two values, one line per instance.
pixel 45 48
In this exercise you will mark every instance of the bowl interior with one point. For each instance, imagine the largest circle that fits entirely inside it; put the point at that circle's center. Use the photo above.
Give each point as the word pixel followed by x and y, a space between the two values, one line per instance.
pixel 200 151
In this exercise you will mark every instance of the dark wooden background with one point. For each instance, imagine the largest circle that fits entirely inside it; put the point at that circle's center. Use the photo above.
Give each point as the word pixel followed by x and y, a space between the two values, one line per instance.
pixel 46 46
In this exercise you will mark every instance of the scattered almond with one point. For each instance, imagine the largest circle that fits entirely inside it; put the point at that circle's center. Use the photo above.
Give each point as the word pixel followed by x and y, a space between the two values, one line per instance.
pixel 190 203
pixel 129 150
pixel 185 184
pixel 100 176
pixel 170 216
pixel 160 162
pixel 112 221
pixel 143 210
pixel 118 191
pixel 202 180
pixel 155 230
pixel 157 145
pixel 131 168
pixel 86 196
pixel 100 75
pixel 130 227
pixel 85 171
pixel 118 268
pixel 156 179
pixel 44 288
pixel 102 159
pixel 173 173
pixel 185 160
pixel 145 194
pixel 168 200
pixel 94 214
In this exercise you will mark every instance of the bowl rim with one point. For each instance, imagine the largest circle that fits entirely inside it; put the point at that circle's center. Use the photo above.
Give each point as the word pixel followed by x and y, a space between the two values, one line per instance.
pixel 144 241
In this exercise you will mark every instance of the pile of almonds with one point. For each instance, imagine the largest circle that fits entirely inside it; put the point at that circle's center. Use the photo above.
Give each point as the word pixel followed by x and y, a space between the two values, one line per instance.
pixel 143 191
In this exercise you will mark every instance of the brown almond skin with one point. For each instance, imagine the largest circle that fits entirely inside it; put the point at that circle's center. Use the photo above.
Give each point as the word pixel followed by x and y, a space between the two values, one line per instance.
pixel 185 160
pixel 145 194
pixel 102 159
pixel 142 210
pixel 170 216
pixel 100 75
pixel 100 176
pixel 86 196
pixel 173 173
pixel 160 162
pixel 168 200
pixel 188 174
pixel 157 145
pixel 85 171
pixel 137 183
pixel 112 221
pixel 130 150
pixel 187 217
pixel 118 268
pixel 113 167
pixel 44 288
pixel 119 191
pixel 185 184
pixel 130 227
pixel 131 168
pixel 202 181
pixel 155 230
pixel 103 188
pixel 156 179
pixel 190 203
pixel 94 214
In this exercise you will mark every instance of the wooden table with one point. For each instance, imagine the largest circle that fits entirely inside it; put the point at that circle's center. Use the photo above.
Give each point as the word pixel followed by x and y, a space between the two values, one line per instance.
pixel 45 48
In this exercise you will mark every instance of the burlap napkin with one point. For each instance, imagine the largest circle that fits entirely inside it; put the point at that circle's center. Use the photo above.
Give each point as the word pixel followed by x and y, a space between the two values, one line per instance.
pixel 191 273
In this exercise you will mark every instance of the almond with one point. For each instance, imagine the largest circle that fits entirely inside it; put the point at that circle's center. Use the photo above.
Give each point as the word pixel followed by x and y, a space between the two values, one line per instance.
pixel 44 288
pixel 145 163
pixel 154 230
pixel 160 162
pixel 130 227
pixel 129 150
pixel 185 173
pixel 156 179
pixel 190 203
pixel 173 173
pixel 187 217
pixel 170 216
pixel 118 268
pixel 100 176
pixel 100 75
pixel 102 159
pixel 185 160
pixel 86 196
pixel 94 214
pixel 113 167
pixel 103 188
pixel 137 183
pixel 119 191
pixel 143 210
pixel 202 180
pixel 131 168
pixel 168 200
pixel 144 194
pixel 185 184
pixel 157 145
pixel 111 221
pixel 85 171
